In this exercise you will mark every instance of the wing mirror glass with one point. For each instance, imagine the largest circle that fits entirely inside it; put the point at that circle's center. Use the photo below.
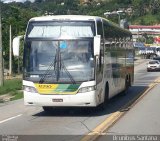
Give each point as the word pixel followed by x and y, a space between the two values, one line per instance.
pixel 16 45
pixel 97 44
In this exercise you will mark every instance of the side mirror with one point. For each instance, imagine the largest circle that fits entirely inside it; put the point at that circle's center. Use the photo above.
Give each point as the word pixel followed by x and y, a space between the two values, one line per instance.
pixel 97 45
pixel 16 45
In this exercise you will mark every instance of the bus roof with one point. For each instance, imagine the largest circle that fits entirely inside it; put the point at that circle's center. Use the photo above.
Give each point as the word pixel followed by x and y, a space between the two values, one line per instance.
pixel 65 18
pixel 75 18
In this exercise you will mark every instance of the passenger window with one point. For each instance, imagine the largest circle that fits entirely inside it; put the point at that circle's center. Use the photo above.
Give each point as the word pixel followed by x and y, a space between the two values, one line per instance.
pixel 99 28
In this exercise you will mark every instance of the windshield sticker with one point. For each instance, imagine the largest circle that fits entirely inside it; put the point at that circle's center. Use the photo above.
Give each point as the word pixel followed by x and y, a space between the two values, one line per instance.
pixel 63 45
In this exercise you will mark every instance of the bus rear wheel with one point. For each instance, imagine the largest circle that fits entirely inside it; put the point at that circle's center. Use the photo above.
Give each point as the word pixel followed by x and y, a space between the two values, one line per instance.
pixel 127 85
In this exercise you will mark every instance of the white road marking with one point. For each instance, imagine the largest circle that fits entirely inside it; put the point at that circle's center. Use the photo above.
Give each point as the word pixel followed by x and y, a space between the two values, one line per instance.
pixel 10 118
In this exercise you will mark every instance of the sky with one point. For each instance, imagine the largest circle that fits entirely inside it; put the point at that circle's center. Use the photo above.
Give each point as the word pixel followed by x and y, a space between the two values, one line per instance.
pixel 7 1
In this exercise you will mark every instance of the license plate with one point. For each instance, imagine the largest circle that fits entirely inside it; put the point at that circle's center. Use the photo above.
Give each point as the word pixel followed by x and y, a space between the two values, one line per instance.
pixel 57 100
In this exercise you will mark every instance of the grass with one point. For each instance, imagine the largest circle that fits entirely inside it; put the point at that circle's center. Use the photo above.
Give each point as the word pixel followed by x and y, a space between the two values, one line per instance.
pixel 11 86
pixel 17 95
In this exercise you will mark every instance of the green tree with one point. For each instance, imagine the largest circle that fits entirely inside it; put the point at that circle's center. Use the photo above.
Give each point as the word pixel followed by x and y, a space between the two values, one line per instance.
pixel 150 40
pixel 154 6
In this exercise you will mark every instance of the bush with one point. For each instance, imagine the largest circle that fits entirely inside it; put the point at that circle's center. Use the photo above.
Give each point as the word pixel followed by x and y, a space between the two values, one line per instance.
pixel 11 86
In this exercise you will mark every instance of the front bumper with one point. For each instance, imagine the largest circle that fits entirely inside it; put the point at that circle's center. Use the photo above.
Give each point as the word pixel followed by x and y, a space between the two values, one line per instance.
pixel 153 69
pixel 88 99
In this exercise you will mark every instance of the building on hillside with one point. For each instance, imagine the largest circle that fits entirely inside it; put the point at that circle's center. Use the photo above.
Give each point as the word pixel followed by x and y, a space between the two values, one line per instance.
pixel 90 1
pixel 139 30
pixel 85 1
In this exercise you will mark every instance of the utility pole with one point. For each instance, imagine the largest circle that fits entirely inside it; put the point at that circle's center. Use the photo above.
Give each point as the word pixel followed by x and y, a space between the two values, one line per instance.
pixel 119 13
pixel 114 13
pixel 1 54
pixel 10 51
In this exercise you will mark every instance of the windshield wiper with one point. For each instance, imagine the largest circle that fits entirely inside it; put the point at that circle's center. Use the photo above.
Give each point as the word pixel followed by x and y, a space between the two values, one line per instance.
pixel 65 69
pixel 47 72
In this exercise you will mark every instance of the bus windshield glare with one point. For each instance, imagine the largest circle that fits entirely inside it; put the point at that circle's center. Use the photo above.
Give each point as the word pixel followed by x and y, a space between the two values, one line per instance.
pixel 60 29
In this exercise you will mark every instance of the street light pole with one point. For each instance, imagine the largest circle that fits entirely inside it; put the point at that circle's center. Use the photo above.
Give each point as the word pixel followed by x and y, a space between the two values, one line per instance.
pixel 115 13
pixel 10 51
pixel 1 54
pixel 119 17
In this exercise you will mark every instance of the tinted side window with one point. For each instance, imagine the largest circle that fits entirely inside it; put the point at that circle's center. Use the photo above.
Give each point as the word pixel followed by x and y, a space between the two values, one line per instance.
pixel 99 28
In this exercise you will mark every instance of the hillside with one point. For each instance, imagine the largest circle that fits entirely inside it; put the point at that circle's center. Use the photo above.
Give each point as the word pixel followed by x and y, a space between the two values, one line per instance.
pixel 143 12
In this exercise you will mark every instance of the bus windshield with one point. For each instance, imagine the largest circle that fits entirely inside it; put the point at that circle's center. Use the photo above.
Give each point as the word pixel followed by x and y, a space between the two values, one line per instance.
pixel 59 61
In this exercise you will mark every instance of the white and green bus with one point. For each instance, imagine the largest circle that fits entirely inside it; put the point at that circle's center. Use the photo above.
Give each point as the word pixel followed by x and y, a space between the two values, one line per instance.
pixel 74 60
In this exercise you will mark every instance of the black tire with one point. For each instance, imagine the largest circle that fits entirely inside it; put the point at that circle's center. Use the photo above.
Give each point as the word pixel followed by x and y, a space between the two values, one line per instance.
pixel 103 105
pixel 47 109
pixel 127 85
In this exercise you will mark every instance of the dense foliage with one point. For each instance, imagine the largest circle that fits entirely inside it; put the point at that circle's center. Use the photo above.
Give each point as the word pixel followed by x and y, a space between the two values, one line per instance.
pixel 144 12
pixel 12 86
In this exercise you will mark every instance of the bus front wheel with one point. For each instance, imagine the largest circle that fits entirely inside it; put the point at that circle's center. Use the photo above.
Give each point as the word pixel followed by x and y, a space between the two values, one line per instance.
pixel 103 105
pixel 47 108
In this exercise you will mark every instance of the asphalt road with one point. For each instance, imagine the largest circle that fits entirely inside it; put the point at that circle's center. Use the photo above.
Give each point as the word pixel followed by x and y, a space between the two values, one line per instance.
pixel 17 119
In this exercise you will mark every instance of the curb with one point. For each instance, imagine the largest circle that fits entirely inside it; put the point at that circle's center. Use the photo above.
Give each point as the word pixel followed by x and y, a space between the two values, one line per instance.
pixel 5 98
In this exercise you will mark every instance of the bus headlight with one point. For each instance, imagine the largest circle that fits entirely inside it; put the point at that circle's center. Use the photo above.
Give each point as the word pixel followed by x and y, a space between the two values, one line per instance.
pixel 87 89
pixel 29 89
